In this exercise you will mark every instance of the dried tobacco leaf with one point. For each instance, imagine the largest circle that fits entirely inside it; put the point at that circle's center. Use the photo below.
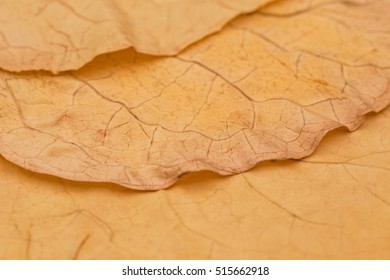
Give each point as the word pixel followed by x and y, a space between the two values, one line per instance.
pixel 332 205
pixel 266 87
pixel 63 35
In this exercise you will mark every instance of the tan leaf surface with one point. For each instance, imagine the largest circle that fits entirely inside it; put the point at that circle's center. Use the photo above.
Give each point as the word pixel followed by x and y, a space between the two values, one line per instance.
pixel 333 204
pixel 58 35
pixel 251 93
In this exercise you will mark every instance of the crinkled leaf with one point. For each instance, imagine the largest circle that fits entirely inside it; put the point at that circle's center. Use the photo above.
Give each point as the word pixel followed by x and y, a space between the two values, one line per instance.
pixel 332 205
pixel 266 87
pixel 62 35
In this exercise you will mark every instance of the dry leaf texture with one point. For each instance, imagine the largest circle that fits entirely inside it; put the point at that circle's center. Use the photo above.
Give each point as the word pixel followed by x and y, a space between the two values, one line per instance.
pixel 266 87
pixel 59 35
pixel 332 205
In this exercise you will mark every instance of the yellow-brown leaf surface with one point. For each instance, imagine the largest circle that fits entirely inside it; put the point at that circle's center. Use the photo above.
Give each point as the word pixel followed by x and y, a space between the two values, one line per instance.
pixel 266 87
pixel 58 35
pixel 333 204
